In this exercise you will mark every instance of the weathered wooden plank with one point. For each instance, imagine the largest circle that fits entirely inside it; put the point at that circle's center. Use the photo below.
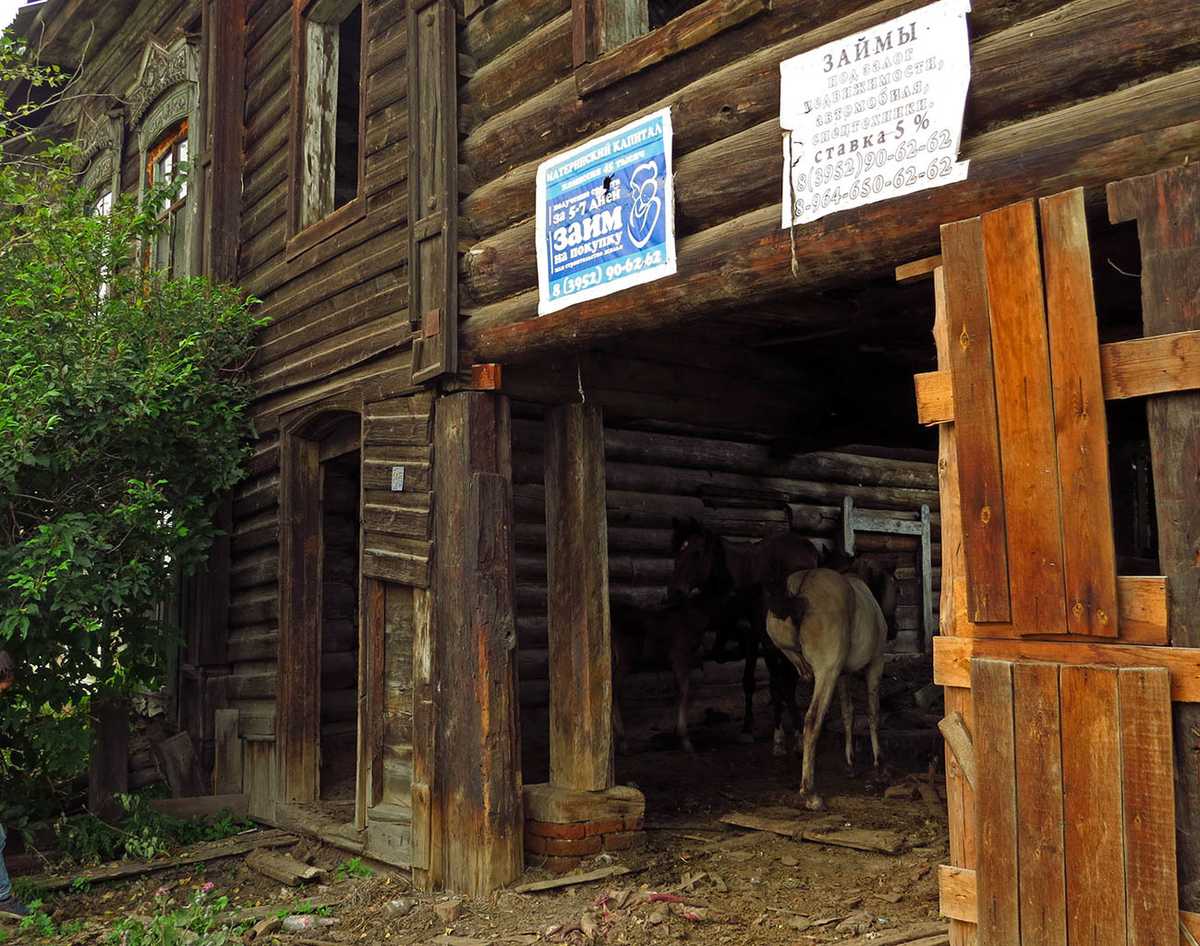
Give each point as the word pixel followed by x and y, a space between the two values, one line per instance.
pixel 1147 782
pixel 1041 862
pixel 952 657
pixel 977 438
pixel 957 894
pixel 1080 428
pixel 1025 417
pixel 1091 771
pixel 1166 206
pixel 1141 614
pixel 581 749
pixel 996 804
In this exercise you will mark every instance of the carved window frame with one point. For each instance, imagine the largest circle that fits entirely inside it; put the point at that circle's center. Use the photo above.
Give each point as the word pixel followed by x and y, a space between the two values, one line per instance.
pixel 164 102
pixel 306 14
pixel 101 140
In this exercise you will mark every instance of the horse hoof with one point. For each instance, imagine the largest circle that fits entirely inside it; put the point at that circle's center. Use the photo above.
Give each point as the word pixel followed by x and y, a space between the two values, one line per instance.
pixel 813 802
pixel 686 745
pixel 779 749
pixel 745 739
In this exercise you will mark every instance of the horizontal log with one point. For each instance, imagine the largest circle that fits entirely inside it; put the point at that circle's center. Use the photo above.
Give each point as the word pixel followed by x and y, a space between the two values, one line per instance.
pixel 536 60
pixel 501 24
pixel 952 659
pixel 749 259
pixel 1138 367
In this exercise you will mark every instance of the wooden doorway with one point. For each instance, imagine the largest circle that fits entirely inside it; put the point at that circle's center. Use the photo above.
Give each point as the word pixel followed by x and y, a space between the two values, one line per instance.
pixel 1060 673
pixel 316 713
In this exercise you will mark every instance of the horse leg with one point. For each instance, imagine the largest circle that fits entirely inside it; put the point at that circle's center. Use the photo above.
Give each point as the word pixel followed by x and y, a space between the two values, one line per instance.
pixel 783 694
pixel 681 664
pixel 748 690
pixel 813 720
pixel 847 720
pixel 874 674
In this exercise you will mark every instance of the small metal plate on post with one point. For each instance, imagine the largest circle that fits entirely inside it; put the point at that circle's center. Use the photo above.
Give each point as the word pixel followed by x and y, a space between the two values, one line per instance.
pixel 397 479
pixel 433 322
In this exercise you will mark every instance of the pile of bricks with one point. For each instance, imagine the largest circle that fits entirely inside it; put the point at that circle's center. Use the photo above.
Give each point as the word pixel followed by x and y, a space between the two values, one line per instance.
pixel 563 826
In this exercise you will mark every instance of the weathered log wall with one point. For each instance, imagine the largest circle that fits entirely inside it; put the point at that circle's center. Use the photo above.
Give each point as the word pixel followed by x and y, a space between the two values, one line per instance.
pixel 1062 94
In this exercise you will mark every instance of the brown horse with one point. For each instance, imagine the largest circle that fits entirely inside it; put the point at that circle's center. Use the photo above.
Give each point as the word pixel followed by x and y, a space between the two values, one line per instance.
pixel 673 634
pixel 731 574
pixel 830 622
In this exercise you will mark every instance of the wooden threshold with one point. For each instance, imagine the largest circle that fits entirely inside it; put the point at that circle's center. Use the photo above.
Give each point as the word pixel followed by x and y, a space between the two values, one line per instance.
pixel 1138 367
pixel 952 659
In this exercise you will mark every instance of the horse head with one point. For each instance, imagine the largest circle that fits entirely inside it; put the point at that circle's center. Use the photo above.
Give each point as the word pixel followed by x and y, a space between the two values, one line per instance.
pixel 697 550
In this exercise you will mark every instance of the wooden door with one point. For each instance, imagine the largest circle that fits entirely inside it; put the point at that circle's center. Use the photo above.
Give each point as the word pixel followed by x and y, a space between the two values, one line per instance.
pixel 1057 677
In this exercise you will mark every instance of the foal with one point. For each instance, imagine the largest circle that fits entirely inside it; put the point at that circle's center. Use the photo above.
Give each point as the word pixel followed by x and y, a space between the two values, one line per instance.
pixel 674 634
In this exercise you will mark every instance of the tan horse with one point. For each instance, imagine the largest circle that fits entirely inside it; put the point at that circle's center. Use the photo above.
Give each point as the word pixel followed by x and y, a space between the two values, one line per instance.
pixel 831 624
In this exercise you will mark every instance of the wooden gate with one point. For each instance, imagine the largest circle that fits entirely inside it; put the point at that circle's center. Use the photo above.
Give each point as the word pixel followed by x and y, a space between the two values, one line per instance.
pixel 1058 674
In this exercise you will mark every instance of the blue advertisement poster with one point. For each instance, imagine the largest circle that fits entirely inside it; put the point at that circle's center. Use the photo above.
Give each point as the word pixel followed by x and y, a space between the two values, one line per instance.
pixel 606 215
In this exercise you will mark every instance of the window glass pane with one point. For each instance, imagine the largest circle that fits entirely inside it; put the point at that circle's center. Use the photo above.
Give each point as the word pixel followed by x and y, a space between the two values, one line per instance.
pixel 103 205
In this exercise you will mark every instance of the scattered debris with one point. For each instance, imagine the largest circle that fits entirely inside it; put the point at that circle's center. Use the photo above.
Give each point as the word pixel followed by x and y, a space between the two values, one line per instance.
pixel 281 867
pixel 571 879
pixel 399 908
pixel 447 911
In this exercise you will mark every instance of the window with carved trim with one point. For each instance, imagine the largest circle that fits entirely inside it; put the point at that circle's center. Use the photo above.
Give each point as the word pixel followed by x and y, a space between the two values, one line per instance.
pixel 102 207
pixel 166 166
pixel 328 126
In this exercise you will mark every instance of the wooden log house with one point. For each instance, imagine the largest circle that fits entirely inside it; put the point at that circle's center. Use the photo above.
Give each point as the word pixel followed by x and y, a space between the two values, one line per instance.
pixel 447 488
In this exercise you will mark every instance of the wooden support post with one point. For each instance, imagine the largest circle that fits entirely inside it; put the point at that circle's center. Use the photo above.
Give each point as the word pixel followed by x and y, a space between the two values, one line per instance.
pixel 581 751
pixel 475 806
pixel 108 764
pixel 1166 206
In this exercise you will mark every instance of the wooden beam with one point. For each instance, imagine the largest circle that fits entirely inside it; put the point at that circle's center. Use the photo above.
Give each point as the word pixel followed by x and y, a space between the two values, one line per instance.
pixel 918 269
pixel 1166 206
pixel 476 777
pixel 1157 364
pixel 581 750
pixel 952 658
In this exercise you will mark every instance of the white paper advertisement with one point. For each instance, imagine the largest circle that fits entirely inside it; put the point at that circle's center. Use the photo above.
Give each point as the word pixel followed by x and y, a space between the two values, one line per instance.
pixel 876 115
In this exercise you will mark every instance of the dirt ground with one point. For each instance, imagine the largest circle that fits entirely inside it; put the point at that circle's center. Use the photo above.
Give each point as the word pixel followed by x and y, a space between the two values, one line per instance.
pixel 722 884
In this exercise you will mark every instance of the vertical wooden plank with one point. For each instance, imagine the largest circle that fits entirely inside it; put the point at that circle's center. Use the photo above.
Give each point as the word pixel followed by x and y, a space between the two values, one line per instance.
pixel 477 778
pixel 371 707
pixel 227 763
pixel 960 798
pixel 1081 429
pixel 581 751
pixel 1041 862
pixel 1025 415
pixel 228 63
pixel 1092 791
pixel 1166 207
pixel 1147 776
pixel 977 435
pixel 927 627
pixel 996 803
pixel 297 724
pixel 433 186
pixel 426 816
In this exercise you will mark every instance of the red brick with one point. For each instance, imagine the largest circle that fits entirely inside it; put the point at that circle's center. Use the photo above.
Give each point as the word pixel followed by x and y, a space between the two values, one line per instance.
pixel 604 827
pixel 624 840
pixel 581 847
pixel 564 832
pixel 556 865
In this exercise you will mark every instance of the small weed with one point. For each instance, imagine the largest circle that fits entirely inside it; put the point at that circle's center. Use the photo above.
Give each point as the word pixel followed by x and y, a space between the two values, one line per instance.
pixel 40 925
pixel 25 889
pixel 166 921
pixel 81 885
pixel 354 867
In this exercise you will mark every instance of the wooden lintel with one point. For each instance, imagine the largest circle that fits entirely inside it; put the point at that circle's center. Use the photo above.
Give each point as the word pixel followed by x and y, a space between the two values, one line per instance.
pixel 1138 367
pixel 957 893
pixel 918 269
pixel 1141 614
pixel 952 659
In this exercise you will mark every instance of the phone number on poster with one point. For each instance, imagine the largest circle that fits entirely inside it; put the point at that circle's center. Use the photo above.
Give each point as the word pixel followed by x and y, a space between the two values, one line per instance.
pixel 868 184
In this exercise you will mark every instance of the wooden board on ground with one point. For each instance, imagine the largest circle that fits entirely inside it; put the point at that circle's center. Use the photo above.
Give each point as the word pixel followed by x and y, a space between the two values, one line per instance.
pixel 281 867
pixel 859 839
pixel 208 851
pixel 556 882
